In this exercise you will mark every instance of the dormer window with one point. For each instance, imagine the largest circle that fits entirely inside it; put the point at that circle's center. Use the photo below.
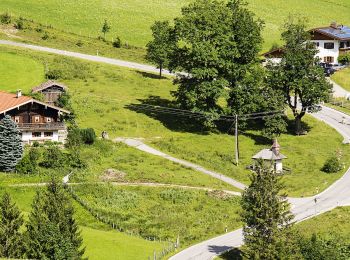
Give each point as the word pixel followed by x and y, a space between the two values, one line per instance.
pixel 48 119
pixel 329 45
pixel 17 119
pixel 36 119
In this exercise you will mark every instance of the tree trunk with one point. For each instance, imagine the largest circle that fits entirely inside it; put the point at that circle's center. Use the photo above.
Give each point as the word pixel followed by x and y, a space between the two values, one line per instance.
pixel 298 129
pixel 160 70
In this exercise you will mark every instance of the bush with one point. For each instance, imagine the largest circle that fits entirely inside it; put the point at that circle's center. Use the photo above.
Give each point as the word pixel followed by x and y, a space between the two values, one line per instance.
pixel 5 18
pixel 344 58
pixel 75 160
pixel 53 157
pixel 74 138
pixel 45 36
pixel 117 43
pixel 88 135
pixel 19 25
pixel 332 165
pixel 53 74
pixel 79 43
pixel 29 163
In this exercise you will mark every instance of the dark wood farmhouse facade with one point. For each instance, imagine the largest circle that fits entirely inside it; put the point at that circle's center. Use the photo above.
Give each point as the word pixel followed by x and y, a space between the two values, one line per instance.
pixel 37 121
pixel 51 91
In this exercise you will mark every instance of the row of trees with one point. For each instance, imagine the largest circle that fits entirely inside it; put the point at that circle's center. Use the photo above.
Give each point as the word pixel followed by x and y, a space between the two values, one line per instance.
pixel 268 230
pixel 51 231
pixel 215 45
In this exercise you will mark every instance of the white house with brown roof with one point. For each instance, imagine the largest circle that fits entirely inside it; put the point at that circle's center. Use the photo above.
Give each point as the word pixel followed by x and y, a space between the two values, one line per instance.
pixel 331 42
pixel 36 120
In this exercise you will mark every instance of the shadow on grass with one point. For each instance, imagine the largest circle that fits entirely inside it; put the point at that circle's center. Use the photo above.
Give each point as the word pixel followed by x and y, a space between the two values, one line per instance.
pixel 233 254
pixel 150 75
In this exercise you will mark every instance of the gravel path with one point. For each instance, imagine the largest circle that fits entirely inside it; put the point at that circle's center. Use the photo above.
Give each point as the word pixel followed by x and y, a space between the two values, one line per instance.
pixel 120 63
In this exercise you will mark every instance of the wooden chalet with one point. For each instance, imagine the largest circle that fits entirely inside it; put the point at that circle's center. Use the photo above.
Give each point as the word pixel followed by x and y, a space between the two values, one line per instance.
pixel 51 91
pixel 36 120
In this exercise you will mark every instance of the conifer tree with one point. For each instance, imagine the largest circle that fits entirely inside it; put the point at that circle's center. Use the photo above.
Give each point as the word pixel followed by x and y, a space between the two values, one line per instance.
pixel 267 231
pixel 11 240
pixel 11 148
pixel 52 232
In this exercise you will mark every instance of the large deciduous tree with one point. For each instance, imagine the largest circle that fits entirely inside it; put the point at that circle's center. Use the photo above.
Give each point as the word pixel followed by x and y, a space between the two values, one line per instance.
pixel 298 75
pixel 11 220
pixel 266 215
pixel 52 232
pixel 11 148
pixel 213 43
pixel 158 49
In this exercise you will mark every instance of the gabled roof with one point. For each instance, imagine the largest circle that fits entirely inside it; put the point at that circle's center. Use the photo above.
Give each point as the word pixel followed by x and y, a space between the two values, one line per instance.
pixel 48 84
pixel 268 154
pixel 9 101
pixel 337 32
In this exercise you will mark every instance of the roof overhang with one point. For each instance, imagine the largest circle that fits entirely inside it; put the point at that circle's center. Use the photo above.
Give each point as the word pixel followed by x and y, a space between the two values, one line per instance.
pixel 61 110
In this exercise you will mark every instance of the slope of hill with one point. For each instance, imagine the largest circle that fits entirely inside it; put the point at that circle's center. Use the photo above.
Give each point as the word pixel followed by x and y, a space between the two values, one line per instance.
pixel 131 19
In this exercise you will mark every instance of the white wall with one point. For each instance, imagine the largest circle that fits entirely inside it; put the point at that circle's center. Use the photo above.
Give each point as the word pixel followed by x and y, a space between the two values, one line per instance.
pixel 326 52
pixel 27 137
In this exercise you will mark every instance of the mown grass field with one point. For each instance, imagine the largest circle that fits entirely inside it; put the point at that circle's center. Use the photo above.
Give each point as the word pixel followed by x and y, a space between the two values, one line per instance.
pixel 100 94
pixel 19 72
pixel 131 19
pixel 342 78
pixel 100 240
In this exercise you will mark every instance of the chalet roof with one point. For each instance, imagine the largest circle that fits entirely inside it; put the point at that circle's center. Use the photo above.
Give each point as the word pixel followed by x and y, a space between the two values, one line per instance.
pixel 337 32
pixel 48 84
pixel 9 101
pixel 274 53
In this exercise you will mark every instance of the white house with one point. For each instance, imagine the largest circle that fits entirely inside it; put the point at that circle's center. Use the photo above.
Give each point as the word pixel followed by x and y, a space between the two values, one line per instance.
pixel 331 42
pixel 36 120
pixel 272 156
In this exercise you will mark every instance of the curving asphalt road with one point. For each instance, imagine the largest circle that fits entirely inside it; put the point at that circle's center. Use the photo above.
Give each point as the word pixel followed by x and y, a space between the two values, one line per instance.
pixel 303 208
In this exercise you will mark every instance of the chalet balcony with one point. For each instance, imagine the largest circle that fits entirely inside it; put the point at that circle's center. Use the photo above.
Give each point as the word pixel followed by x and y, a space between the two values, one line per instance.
pixel 41 127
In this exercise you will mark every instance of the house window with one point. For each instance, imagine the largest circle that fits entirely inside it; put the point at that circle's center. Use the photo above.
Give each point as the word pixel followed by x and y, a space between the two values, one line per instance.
pixel 17 119
pixel 328 59
pixel 36 119
pixel 48 119
pixel 342 45
pixel 36 134
pixel 48 134
pixel 329 45
pixel 317 44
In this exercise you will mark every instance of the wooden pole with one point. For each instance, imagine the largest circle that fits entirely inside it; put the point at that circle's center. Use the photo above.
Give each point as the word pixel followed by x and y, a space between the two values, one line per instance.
pixel 236 140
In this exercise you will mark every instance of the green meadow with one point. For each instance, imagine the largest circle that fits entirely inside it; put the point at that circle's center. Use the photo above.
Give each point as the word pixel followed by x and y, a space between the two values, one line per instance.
pixel 101 95
pixel 342 78
pixel 131 19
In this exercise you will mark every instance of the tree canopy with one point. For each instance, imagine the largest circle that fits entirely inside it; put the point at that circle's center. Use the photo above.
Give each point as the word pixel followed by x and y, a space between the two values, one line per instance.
pixel 298 76
pixel 11 148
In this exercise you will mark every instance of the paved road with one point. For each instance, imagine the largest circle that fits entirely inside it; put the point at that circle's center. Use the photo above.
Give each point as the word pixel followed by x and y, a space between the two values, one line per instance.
pixel 145 148
pixel 121 63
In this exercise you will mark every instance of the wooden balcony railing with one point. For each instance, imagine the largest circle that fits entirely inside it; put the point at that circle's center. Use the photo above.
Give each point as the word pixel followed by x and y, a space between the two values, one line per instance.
pixel 39 127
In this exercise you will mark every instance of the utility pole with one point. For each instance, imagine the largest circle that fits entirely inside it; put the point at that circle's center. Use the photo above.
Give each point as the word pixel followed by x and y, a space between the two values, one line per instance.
pixel 236 140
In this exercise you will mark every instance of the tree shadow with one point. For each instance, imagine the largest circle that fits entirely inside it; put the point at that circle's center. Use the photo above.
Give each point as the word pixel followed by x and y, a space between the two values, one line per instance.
pixel 218 249
pixel 150 75
pixel 162 110
pixel 258 139
pixel 234 254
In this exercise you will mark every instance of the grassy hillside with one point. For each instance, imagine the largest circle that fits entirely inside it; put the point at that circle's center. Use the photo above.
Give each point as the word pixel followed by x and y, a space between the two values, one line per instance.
pixel 343 78
pixel 19 72
pixel 101 95
pixel 131 19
